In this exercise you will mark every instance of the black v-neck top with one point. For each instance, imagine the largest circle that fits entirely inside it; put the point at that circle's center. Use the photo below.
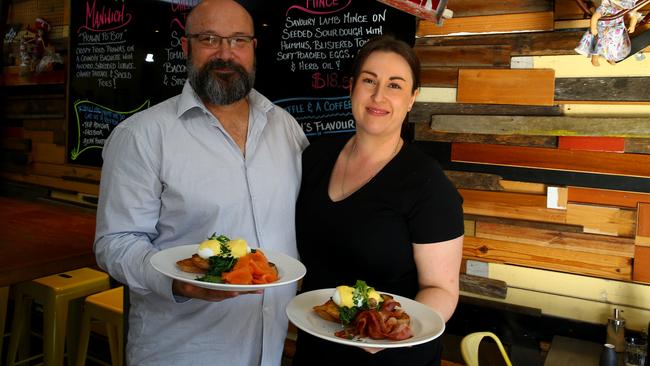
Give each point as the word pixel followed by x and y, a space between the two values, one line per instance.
pixel 370 234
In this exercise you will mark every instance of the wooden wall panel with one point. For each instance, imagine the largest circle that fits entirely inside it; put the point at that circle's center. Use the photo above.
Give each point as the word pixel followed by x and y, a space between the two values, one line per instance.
pixel 424 133
pixel 543 125
pixel 521 44
pixel 582 161
pixel 578 242
pixel 422 111
pixel 602 220
pixel 606 197
pixel 603 89
pixel 590 264
pixel 446 77
pixel 641 264
pixel 592 143
pixel 643 224
pixel 510 205
pixel 467 56
pixel 470 8
pixel 523 87
pixel 524 22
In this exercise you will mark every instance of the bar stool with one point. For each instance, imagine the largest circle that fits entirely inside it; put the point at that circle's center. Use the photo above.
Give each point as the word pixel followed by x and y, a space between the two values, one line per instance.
pixel 106 306
pixel 57 294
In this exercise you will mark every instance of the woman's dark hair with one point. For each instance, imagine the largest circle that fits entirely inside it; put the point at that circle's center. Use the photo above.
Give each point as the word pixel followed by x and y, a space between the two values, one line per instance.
pixel 388 43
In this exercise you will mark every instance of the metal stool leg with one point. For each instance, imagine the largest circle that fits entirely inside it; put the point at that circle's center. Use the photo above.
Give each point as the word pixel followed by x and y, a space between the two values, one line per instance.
pixel 4 299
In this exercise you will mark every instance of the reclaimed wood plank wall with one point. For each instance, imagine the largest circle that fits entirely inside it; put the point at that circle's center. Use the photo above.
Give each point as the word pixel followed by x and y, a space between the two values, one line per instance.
pixel 550 153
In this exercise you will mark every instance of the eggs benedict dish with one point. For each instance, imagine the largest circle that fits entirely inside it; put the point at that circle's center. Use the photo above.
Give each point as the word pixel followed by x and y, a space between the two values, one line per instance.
pixel 365 313
pixel 222 260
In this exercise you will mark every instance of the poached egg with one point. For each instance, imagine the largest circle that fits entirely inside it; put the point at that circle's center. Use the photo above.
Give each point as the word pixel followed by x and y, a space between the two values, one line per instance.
pixel 212 247
pixel 344 296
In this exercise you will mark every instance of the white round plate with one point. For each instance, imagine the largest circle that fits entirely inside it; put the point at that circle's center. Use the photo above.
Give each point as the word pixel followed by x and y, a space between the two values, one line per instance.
pixel 289 269
pixel 426 324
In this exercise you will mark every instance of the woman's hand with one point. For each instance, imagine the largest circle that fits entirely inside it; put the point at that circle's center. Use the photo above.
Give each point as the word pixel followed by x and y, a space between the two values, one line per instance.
pixel 372 350
pixel 180 288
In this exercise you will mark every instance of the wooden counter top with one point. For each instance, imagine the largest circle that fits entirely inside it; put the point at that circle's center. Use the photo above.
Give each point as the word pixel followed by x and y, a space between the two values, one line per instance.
pixel 40 238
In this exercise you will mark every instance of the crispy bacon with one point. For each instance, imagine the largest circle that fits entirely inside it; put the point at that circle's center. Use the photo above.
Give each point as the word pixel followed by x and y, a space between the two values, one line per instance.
pixel 389 322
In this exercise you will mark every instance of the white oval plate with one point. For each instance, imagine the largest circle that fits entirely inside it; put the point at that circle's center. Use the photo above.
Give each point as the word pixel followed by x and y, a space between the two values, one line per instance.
pixel 426 324
pixel 289 269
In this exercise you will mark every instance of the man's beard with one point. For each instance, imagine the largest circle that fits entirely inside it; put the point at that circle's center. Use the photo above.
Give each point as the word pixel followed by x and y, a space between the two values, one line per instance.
pixel 216 87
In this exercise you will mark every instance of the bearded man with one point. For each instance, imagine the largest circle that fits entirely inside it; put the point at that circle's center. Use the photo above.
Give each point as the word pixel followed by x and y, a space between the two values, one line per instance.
pixel 219 157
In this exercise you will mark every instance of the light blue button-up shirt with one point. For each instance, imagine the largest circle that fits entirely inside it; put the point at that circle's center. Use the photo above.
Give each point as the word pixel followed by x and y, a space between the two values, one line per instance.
pixel 173 176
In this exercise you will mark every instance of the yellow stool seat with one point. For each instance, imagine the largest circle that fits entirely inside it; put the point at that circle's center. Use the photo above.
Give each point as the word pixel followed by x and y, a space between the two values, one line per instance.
pixel 106 306
pixel 470 343
pixel 59 294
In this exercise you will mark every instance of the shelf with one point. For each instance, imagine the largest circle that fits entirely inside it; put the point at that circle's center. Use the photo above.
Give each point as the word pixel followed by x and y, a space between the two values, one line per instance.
pixel 11 77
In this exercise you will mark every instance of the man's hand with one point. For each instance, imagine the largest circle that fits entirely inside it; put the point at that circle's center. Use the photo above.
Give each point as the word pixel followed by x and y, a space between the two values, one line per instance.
pixel 185 289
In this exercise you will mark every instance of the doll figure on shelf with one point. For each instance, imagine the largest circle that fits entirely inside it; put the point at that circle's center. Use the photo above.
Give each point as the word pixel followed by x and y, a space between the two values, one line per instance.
pixel 609 39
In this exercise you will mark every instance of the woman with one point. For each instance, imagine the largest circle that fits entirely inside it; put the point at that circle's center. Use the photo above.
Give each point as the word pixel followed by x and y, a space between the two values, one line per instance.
pixel 376 209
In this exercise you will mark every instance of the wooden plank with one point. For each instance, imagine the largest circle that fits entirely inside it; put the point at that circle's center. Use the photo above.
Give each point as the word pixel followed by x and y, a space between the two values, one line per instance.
pixel 571 24
pixel 469 226
pixel 568 9
pixel 40 136
pixel 45 124
pixel 16 144
pixel 603 89
pixel 543 126
pixel 48 153
pixel 492 86
pixel 533 224
pixel 424 133
pixel 422 111
pixel 643 224
pixel 592 143
pixel 577 242
pixel 91 175
pixel 468 56
pixel 606 197
pixel 468 180
pixel 523 187
pixel 483 286
pixel 510 205
pixel 521 44
pixel 638 146
pixel 602 220
pixel 641 264
pixel 590 264
pixel 437 95
pixel 35 104
pixel 601 109
pixel 471 8
pixel 442 152
pixel 523 22
pixel 446 77
pixel 582 161
pixel 51 182
pixel 572 296
pixel 578 66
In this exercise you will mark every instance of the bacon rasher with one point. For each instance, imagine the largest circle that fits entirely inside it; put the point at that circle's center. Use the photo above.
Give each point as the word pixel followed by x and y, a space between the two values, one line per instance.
pixel 389 322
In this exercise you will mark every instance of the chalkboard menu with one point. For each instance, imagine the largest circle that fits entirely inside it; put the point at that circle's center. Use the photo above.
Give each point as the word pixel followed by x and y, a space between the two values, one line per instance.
pixel 126 56
pixel 305 54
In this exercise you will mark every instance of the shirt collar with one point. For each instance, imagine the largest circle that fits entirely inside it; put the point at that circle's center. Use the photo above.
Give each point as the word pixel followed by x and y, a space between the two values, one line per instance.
pixel 189 100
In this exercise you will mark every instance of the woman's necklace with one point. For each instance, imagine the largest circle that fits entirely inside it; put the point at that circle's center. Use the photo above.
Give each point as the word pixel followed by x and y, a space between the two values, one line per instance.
pixel 347 162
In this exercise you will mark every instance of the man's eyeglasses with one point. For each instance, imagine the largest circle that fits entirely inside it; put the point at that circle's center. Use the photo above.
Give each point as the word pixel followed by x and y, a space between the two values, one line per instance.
pixel 210 40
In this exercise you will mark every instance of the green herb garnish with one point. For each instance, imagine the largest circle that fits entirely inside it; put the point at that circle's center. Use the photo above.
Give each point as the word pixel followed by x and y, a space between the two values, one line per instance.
pixel 347 314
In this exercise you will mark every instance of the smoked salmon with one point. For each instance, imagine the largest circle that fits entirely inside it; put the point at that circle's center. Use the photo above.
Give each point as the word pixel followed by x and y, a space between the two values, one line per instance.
pixel 250 269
